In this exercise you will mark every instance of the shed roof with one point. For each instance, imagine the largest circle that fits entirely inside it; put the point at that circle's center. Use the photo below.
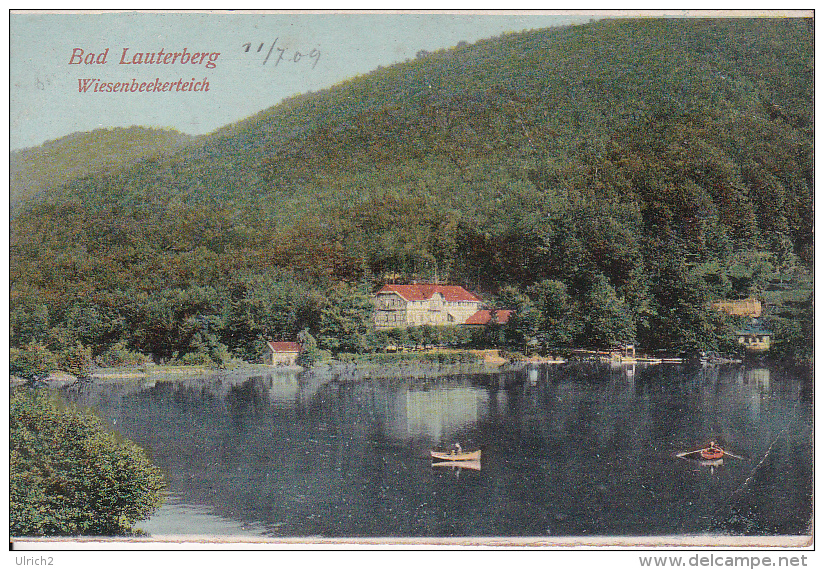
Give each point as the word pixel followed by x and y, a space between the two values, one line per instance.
pixel 424 291
pixel 284 346
pixel 753 331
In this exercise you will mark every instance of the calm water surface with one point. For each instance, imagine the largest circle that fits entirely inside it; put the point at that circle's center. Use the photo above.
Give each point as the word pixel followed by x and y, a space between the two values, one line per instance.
pixel 568 450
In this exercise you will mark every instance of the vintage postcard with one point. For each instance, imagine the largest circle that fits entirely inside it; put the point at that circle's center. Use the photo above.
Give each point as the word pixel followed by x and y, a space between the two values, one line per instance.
pixel 412 280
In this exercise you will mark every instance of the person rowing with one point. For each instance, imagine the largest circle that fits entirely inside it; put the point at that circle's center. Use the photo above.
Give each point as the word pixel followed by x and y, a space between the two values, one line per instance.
pixel 714 451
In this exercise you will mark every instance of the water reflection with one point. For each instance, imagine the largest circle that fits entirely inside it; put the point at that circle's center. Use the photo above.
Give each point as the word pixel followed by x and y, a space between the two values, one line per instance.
pixel 180 520
pixel 439 414
pixel 457 467
pixel 571 450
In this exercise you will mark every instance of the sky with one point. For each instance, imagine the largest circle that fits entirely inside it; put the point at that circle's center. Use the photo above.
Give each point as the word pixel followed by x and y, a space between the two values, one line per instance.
pixel 263 58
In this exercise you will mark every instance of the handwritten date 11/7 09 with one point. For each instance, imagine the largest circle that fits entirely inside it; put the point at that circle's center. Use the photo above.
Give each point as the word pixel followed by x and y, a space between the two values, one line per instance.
pixel 283 54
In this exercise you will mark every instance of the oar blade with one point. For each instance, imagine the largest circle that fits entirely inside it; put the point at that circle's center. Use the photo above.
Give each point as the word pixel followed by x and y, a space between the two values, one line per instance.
pixel 685 453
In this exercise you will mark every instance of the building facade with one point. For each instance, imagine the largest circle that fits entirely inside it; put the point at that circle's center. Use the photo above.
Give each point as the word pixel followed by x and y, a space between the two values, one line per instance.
pixel 749 307
pixel 282 353
pixel 401 306
pixel 754 338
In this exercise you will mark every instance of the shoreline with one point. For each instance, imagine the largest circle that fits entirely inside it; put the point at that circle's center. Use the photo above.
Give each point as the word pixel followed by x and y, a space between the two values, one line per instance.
pixel 360 368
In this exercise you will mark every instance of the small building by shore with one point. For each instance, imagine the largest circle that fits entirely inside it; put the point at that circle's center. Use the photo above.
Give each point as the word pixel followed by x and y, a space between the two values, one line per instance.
pixel 754 338
pixel 282 353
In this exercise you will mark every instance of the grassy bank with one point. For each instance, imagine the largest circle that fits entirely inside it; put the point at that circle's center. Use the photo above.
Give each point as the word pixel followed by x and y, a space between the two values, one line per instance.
pixel 430 357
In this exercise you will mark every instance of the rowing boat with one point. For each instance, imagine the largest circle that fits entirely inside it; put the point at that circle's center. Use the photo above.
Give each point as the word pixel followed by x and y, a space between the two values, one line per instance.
pixel 473 465
pixel 711 453
pixel 464 456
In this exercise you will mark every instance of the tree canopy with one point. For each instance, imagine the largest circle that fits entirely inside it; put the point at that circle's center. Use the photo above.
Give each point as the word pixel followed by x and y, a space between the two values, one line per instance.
pixel 69 476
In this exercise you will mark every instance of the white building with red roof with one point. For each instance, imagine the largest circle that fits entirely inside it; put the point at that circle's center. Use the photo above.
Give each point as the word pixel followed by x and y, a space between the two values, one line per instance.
pixel 400 306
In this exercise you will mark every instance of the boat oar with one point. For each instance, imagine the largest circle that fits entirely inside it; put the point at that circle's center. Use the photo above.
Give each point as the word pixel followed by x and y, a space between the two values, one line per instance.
pixel 733 455
pixel 685 453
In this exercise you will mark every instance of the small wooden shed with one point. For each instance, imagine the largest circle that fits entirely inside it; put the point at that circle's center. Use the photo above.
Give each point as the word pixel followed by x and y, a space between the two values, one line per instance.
pixel 282 353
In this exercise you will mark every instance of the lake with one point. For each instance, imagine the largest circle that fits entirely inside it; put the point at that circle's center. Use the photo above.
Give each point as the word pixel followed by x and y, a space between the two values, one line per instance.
pixel 573 450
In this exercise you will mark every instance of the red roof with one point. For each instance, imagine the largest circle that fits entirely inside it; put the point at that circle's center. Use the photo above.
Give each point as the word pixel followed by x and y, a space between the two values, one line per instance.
pixel 424 291
pixel 484 317
pixel 285 346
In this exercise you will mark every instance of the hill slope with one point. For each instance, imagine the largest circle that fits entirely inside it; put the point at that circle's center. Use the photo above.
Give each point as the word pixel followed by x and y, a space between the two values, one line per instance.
pixel 627 170
pixel 33 170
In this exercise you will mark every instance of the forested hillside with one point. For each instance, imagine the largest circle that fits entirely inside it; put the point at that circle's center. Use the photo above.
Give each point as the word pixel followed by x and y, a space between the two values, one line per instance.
pixel 607 180
pixel 36 170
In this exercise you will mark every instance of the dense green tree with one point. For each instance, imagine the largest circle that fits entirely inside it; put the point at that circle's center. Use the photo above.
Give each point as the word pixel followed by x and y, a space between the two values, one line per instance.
pixel 94 326
pixel 120 355
pixel 682 318
pixel 31 361
pixel 69 476
pixel 523 329
pixel 559 321
pixel 346 319
pixel 608 321
pixel 28 322
pixel 165 324
pixel 749 272
pixel 76 360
